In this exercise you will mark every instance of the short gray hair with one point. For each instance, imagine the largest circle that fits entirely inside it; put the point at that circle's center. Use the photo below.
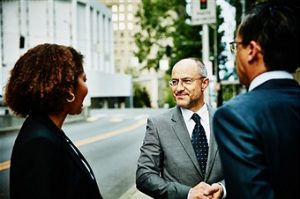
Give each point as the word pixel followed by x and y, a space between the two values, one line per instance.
pixel 201 66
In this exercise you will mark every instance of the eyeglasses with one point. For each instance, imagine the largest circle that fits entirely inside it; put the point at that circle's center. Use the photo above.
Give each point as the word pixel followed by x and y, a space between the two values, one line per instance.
pixel 233 46
pixel 184 81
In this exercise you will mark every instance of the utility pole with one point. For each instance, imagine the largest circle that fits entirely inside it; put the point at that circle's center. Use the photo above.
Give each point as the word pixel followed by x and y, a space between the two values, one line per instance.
pixel 204 13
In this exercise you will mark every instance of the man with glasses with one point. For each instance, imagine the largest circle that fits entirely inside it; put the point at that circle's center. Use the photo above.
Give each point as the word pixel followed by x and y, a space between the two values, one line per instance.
pixel 258 132
pixel 179 157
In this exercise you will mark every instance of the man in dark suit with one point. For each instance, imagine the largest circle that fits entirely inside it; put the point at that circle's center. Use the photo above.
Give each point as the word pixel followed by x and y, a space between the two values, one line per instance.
pixel 259 132
pixel 168 166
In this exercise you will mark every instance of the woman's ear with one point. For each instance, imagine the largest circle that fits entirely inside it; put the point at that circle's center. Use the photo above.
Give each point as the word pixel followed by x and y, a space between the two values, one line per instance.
pixel 71 98
pixel 70 95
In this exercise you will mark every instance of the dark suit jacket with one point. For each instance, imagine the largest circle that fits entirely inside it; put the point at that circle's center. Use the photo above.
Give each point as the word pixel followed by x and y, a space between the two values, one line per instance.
pixel 44 166
pixel 259 139
pixel 167 166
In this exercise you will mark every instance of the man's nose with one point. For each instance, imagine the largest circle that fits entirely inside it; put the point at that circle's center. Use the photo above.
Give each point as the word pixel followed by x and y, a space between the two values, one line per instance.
pixel 180 86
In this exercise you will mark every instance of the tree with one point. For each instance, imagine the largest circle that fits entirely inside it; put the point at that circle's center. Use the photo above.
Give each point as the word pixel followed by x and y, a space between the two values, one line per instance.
pixel 165 31
pixel 141 97
pixel 165 23
pixel 155 19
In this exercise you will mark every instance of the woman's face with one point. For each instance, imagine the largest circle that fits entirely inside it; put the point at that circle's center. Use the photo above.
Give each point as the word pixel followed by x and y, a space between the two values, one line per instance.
pixel 81 92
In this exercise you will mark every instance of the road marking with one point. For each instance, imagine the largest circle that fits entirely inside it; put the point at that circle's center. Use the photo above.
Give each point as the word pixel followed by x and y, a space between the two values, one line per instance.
pixel 109 134
pixel 6 164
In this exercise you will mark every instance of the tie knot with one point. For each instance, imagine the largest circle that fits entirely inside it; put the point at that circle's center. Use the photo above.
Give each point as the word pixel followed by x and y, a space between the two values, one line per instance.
pixel 196 118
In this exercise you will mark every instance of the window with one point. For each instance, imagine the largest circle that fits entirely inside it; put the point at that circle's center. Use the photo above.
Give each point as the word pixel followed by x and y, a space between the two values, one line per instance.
pixel 129 8
pixel 130 26
pixel 115 17
pixel 121 8
pixel 121 26
pixel 114 8
pixel 129 16
pixel 121 17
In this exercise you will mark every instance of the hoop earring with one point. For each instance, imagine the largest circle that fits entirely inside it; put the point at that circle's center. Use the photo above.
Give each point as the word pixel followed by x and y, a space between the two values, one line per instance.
pixel 71 100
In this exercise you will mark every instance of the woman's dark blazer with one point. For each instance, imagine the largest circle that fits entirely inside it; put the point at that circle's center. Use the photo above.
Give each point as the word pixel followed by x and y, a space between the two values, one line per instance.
pixel 45 166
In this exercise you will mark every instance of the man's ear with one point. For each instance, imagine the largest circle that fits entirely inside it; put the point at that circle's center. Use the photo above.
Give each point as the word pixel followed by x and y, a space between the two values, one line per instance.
pixel 254 49
pixel 204 84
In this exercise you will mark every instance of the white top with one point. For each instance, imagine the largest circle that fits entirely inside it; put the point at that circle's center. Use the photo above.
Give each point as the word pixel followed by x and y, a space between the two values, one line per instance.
pixel 260 79
pixel 190 124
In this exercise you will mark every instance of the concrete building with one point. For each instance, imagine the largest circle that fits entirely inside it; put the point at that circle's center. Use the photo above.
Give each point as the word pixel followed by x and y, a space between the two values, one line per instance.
pixel 84 24
pixel 124 28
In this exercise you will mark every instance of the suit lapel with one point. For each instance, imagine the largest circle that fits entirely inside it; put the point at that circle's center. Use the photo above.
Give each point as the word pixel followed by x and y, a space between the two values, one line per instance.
pixel 183 136
pixel 213 147
pixel 78 158
pixel 69 146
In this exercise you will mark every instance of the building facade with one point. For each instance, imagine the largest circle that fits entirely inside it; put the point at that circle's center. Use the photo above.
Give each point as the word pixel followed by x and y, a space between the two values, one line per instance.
pixel 84 24
pixel 124 28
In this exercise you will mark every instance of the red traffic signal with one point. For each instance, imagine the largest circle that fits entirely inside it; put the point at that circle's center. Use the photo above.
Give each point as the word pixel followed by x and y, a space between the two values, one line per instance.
pixel 203 4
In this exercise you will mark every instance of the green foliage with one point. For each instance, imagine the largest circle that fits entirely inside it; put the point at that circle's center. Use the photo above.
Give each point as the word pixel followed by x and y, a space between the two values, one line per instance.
pixel 151 17
pixel 141 97
pixel 228 92
pixel 166 22
pixel 168 95
pixel 169 99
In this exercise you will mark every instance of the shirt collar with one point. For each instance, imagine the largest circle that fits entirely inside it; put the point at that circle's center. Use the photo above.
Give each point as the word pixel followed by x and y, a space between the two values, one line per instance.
pixel 202 112
pixel 260 79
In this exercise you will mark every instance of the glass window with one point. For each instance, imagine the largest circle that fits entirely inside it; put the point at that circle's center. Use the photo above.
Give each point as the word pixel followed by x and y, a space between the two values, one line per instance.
pixel 129 16
pixel 130 26
pixel 121 26
pixel 129 8
pixel 121 17
pixel 121 8
pixel 115 17
pixel 115 26
pixel 114 8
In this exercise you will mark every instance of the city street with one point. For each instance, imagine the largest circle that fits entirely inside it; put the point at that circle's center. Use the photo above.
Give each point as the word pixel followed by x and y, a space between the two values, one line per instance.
pixel 110 140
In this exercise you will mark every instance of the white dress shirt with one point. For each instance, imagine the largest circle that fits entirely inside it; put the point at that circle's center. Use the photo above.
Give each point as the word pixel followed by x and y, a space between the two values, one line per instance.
pixel 190 124
pixel 262 78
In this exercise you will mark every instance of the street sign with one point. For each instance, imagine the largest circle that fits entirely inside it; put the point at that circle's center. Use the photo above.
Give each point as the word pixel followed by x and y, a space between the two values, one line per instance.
pixel 203 12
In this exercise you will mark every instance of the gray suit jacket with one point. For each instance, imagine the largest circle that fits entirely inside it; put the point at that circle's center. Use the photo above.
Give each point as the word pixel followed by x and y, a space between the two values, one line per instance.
pixel 167 166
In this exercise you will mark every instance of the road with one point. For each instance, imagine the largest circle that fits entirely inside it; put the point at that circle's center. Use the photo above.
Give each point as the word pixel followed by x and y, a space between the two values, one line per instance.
pixel 109 139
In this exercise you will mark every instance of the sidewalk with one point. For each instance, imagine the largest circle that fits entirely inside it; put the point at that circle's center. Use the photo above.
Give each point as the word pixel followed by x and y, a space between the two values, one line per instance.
pixel 10 122
pixel 133 193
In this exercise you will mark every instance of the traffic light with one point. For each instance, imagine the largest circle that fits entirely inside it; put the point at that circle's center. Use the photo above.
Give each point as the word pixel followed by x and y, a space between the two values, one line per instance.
pixel 168 51
pixel 203 4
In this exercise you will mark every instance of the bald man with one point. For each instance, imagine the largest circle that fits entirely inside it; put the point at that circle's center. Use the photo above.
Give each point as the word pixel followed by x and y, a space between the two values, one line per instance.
pixel 169 166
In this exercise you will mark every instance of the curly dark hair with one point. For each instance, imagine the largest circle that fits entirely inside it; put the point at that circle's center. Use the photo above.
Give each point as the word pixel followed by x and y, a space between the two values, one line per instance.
pixel 41 79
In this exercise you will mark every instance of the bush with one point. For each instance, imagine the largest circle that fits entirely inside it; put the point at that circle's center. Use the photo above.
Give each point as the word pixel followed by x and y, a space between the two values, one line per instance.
pixel 141 97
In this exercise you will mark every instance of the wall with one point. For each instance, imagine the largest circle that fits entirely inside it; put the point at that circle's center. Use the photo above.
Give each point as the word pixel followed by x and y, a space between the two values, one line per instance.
pixel 85 25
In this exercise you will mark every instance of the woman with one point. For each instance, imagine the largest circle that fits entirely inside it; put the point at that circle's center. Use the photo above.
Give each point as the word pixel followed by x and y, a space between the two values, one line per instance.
pixel 46 84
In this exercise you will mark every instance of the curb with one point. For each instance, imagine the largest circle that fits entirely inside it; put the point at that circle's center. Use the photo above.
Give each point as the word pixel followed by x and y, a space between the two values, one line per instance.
pixel 19 122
